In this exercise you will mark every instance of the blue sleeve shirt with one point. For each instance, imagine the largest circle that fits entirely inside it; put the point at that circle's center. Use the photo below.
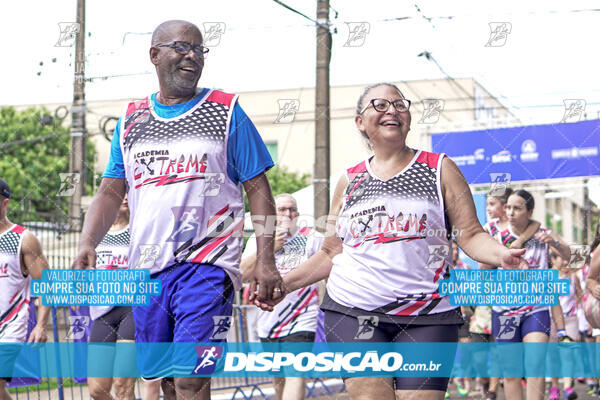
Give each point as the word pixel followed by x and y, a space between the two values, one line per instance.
pixel 247 154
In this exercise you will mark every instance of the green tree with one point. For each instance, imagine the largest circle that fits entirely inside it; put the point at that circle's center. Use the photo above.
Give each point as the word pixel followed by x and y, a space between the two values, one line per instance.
pixel 284 181
pixel 34 150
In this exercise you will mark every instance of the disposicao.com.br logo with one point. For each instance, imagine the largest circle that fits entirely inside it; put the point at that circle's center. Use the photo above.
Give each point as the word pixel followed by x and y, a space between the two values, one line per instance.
pixel 328 361
pixel 334 359
pixel 352 362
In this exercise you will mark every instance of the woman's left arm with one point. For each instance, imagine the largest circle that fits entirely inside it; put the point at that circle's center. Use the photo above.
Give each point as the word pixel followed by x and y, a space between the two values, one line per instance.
pixel 470 235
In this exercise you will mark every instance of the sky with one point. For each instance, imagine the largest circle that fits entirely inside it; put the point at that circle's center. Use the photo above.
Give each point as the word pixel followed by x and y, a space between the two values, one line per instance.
pixel 548 56
pixel 550 53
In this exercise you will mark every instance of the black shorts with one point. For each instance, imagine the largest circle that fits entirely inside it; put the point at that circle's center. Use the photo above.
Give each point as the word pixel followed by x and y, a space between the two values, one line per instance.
pixel 481 337
pixel 585 334
pixel 115 325
pixel 345 328
pixel 298 337
pixel 463 331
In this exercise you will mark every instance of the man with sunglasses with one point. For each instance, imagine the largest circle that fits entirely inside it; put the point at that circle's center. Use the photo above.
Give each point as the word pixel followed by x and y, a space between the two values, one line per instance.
pixel 170 149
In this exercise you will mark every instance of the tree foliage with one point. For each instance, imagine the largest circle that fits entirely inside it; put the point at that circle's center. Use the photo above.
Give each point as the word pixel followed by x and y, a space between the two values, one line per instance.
pixel 34 150
pixel 284 181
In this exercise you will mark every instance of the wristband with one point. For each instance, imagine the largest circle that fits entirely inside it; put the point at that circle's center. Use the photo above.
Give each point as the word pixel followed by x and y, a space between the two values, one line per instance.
pixel 564 338
pixel 561 333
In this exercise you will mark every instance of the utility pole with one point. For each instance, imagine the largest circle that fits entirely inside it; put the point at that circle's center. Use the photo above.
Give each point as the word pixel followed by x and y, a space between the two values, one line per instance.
pixel 322 170
pixel 587 215
pixel 78 131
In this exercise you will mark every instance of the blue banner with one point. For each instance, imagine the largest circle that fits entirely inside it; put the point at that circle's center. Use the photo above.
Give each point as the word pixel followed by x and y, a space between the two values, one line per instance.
pixel 524 153
pixel 295 359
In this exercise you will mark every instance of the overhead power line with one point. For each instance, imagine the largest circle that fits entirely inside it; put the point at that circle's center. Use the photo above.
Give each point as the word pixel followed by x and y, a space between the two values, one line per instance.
pixel 281 3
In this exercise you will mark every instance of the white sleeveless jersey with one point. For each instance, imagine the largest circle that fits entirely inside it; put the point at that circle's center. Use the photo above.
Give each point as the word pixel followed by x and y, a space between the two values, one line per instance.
pixel 299 310
pixel 568 302
pixel 536 255
pixel 14 287
pixel 184 207
pixel 396 244
pixel 493 229
pixel 111 253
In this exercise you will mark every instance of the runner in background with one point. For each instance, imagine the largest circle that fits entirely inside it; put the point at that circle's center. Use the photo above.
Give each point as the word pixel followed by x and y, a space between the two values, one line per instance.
pixel 112 324
pixel 481 321
pixel 498 221
pixel 528 323
pixel 568 303
pixel 21 259
pixel 295 318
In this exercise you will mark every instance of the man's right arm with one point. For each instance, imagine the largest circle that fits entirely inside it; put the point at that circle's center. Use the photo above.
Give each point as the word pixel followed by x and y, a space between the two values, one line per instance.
pixel 99 218
pixel 105 206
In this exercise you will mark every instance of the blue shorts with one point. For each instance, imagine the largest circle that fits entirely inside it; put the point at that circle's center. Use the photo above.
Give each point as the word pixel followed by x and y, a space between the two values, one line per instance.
pixel 195 305
pixel 513 328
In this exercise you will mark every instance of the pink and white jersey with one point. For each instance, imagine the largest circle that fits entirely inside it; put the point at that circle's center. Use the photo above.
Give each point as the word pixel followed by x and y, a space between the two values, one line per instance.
pixel 14 287
pixel 536 255
pixel 184 206
pixel 582 320
pixel 568 302
pixel 395 238
pixel 298 311
pixel 111 253
pixel 492 228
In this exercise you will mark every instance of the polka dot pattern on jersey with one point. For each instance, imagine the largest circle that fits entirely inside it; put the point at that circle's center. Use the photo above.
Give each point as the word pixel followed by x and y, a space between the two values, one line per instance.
pixel 207 122
pixel 120 239
pixel 295 246
pixel 417 183
pixel 9 243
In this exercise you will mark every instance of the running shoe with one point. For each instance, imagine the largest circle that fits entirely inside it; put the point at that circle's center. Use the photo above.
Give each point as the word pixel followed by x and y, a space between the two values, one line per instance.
pixel 554 393
pixel 461 387
pixel 591 389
